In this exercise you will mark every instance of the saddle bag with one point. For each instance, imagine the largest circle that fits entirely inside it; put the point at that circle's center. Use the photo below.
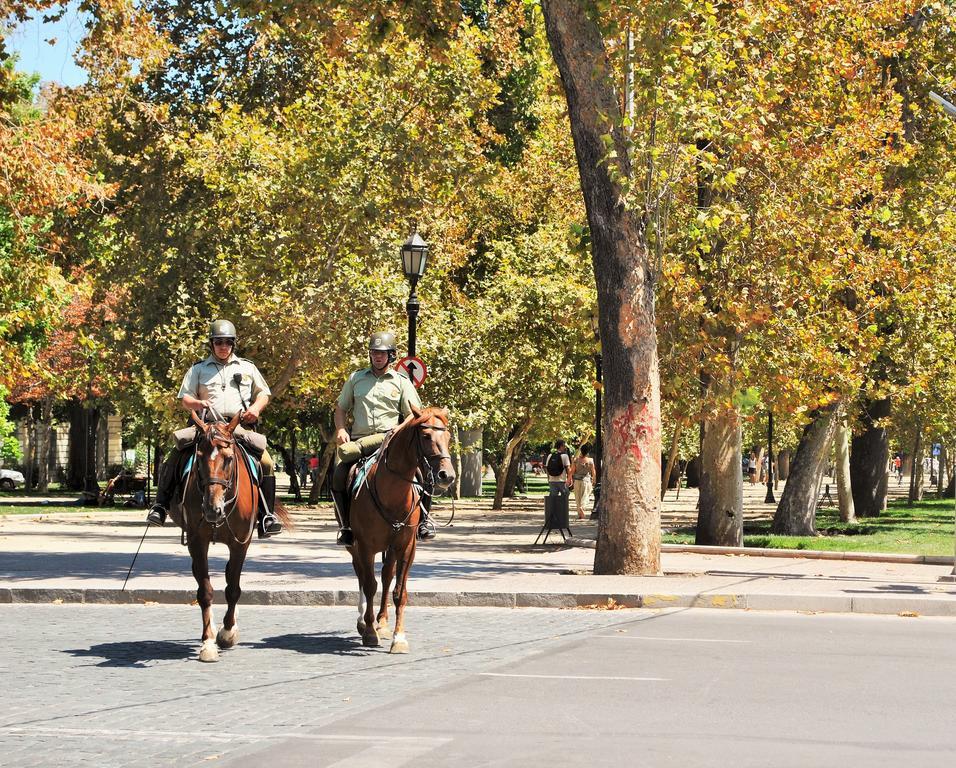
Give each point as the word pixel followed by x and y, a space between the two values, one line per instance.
pixel 254 442
pixel 185 438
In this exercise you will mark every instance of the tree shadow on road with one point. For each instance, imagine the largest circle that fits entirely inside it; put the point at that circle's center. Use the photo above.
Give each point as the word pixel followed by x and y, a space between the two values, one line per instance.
pixel 137 653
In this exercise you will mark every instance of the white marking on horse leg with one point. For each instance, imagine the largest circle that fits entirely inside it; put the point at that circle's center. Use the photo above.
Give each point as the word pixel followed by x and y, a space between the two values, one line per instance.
pixel 360 624
pixel 399 643
pixel 208 651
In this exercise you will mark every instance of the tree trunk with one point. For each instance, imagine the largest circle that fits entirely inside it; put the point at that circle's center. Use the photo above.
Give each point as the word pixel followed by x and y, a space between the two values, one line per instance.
pixel 783 465
pixel 629 528
pixel 916 477
pixel 760 474
pixel 942 471
pixel 511 476
pixel 76 465
pixel 720 515
pixel 29 450
pixel 671 458
pixel 519 433
pixel 328 453
pixel 294 473
pixel 796 512
pixel 288 458
pixel 93 413
pixel 44 429
pixel 844 493
pixel 869 453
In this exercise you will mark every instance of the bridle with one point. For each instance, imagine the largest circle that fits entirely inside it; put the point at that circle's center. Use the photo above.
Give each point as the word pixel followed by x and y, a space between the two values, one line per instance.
pixel 427 463
pixel 217 441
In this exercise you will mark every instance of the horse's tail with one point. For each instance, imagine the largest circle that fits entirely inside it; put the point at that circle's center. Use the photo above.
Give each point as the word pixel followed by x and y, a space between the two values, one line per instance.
pixel 284 517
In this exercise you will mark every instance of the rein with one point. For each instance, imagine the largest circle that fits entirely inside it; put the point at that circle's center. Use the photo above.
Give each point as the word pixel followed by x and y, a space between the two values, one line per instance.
pixel 425 463
pixel 228 483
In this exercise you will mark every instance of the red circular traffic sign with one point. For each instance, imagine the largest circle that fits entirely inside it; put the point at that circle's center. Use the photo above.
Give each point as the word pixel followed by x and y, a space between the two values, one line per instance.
pixel 414 368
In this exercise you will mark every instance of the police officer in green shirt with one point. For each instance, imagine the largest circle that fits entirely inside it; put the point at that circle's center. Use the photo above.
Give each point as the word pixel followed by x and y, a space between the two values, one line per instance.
pixel 378 398
pixel 229 385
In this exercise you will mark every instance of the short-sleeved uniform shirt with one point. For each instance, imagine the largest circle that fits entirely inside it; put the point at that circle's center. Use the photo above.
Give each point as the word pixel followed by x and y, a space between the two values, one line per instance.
pixel 214 381
pixel 377 403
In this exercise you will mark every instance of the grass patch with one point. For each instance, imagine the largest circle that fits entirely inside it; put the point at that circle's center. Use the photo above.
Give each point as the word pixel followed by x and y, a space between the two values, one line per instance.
pixel 925 528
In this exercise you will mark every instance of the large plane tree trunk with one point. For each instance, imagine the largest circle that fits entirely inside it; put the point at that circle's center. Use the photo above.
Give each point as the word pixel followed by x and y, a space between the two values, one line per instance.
pixel 869 453
pixel 841 439
pixel 720 516
pixel 796 512
pixel 628 539
pixel 519 433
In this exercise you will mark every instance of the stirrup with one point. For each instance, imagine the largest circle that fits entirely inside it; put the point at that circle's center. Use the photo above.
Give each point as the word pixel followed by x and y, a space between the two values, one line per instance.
pixel 157 515
pixel 345 538
pixel 269 525
pixel 427 530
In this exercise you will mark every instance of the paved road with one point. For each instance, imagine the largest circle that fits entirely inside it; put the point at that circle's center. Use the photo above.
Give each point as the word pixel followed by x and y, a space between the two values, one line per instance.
pixel 118 685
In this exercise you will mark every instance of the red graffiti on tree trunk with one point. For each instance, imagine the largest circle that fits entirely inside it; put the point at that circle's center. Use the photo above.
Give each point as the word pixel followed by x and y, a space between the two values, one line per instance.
pixel 633 430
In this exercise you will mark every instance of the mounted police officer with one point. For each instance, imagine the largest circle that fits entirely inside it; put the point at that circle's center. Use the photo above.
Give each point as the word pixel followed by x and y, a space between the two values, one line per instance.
pixel 226 384
pixel 378 398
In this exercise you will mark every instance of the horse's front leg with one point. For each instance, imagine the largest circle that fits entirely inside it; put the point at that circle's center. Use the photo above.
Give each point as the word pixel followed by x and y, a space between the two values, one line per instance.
pixel 363 562
pixel 199 549
pixel 228 636
pixel 388 574
pixel 405 559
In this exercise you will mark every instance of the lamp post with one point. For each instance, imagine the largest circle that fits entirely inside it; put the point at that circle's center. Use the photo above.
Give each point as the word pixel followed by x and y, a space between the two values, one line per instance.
pixel 414 260
pixel 598 414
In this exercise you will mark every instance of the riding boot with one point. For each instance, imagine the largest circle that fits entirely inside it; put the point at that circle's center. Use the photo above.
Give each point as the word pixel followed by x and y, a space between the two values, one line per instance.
pixel 269 524
pixel 426 527
pixel 164 490
pixel 341 501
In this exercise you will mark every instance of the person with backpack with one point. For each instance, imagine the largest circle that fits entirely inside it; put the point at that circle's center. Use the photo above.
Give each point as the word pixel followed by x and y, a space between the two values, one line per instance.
pixel 557 467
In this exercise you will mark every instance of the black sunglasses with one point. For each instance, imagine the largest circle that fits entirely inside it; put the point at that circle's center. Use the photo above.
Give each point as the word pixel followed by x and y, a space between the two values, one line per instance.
pixel 223 342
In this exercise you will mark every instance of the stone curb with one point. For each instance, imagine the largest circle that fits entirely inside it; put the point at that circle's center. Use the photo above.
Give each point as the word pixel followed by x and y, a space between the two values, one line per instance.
pixel 908 605
pixel 807 554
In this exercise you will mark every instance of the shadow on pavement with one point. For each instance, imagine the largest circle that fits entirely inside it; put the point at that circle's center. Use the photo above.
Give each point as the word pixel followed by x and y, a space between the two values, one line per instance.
pixel 136 653
pixel 316 643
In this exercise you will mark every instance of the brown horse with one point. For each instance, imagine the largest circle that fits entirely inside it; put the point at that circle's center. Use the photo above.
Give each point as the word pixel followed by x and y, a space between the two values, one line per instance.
pixel 385 514
pixel 219 503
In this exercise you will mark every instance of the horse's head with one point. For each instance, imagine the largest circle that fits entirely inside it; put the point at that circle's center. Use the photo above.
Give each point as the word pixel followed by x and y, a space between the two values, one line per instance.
pixel 215 467
pixel 434 440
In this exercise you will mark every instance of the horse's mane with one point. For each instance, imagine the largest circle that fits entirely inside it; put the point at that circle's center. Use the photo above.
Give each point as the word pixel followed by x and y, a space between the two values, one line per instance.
pixel 433 411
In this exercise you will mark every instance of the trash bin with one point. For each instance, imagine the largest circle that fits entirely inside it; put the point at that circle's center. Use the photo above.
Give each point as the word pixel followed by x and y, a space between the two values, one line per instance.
pixel 556 511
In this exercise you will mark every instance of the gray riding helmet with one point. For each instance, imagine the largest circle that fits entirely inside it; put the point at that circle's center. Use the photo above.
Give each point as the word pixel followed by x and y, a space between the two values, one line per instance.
pixel 222 329
pixel 382 341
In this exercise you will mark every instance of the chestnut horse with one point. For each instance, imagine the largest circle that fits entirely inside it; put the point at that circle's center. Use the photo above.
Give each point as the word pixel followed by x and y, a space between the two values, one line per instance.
pixel 385 513
pixel 219 503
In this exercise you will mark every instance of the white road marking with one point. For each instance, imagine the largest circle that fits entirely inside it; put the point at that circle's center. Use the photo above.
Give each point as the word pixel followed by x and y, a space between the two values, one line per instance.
pixel 574 677
pixel 672 639
pixel 217 736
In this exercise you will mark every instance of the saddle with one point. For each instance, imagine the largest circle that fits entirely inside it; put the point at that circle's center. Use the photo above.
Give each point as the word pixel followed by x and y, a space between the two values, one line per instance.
pixel 186 460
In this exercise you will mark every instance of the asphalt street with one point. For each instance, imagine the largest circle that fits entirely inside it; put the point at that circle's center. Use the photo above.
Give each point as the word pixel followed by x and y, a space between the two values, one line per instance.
pixel 119 685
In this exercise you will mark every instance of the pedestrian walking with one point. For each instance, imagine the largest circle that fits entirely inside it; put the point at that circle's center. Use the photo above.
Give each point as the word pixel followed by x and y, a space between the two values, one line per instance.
pixel 583 477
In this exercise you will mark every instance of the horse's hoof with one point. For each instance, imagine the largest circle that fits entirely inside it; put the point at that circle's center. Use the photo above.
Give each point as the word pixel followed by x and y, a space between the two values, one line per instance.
pixel 209 651
pixel 226 638
pixel 399 644
pixel 384 631
pixel 360 627
pixel 370 639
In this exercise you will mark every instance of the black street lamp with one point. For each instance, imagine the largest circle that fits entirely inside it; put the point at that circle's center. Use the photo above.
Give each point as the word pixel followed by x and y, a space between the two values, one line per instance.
pixel 414 260
pixel 598 414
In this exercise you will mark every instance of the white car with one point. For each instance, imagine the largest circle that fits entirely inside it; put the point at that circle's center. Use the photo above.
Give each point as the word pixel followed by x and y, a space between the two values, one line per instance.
pixel 10 479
